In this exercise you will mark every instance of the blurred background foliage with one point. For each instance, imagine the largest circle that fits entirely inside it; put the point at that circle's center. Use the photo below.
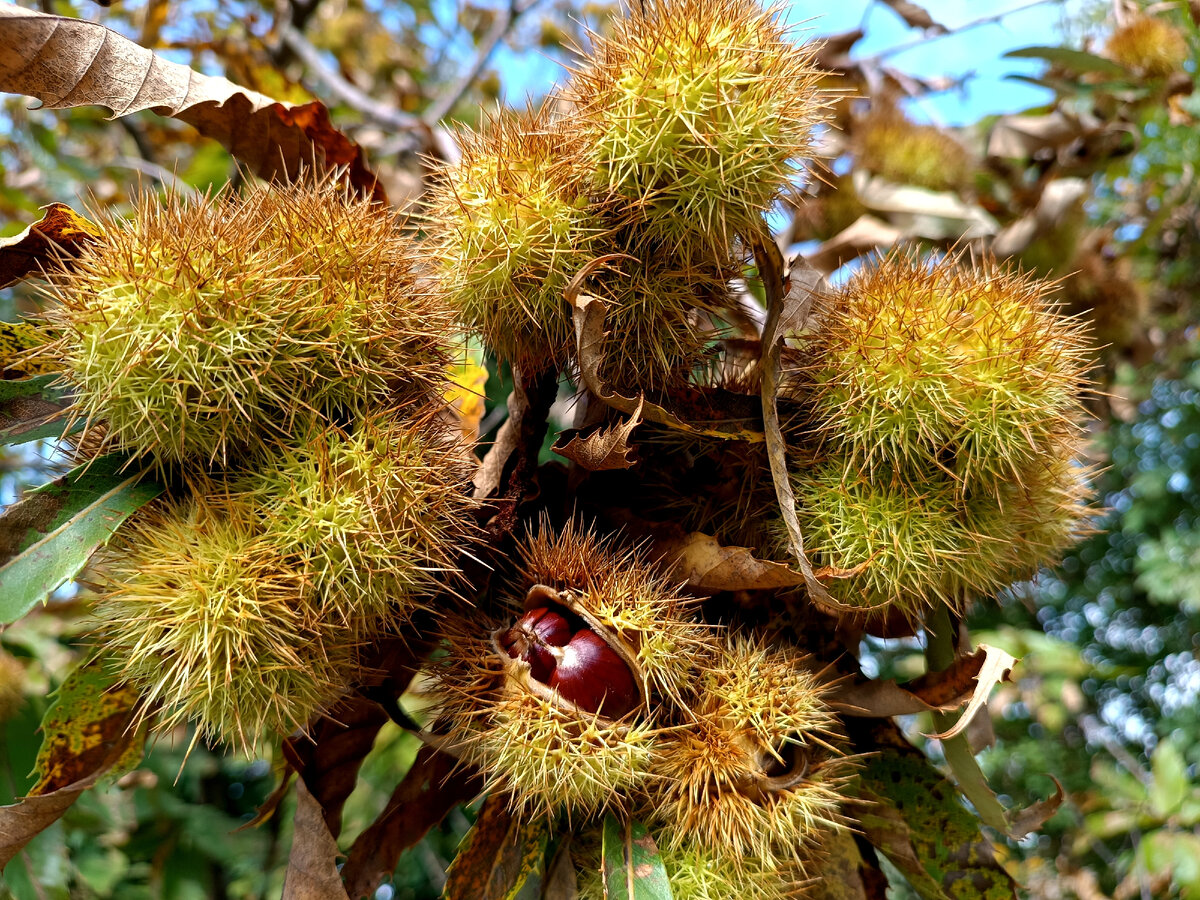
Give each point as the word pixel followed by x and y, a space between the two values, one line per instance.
pixel 1096 187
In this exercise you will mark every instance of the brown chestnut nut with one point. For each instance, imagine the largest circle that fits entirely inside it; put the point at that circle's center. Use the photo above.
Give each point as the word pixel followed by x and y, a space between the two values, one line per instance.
pixel 592 676
pixel 532 637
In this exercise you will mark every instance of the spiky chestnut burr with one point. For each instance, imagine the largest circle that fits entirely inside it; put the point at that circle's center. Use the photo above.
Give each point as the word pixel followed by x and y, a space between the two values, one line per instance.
pixel 698 115
pixel 373 514
pixel 664 307
pixel 1148 45
pixel 213 626
pixel 924 364
pixel 200 329
pixel 897 150
pixel 754 775
pixel 549 753
pixel 617 588
pixel 509 224
pixel 915 541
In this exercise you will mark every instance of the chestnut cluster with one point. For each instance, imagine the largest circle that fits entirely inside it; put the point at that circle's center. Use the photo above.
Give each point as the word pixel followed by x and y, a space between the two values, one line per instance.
pixel 602 691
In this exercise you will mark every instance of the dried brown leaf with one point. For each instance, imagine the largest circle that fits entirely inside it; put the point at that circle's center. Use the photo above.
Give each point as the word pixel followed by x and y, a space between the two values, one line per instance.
pixel 25 819
pixel 312 872
pixel 66 62
pixel 60 234
pixel 328 759
pixel 915 16
pixel 433 786
pixel 790 298
pixel 997 664
pixel 932 692
pixel 604 449
pixel 701 561
pixel 1034 817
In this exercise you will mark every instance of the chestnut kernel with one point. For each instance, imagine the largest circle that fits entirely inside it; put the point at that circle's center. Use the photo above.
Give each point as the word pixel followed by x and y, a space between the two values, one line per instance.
pixel 592 676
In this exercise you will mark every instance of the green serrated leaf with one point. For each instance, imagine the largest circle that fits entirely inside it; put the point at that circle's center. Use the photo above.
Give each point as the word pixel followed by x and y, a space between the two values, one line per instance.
pixel 633 868
pixel 1074 60
pixel 915 817
pixel 31 409
pixel 89 716
pixel 47 538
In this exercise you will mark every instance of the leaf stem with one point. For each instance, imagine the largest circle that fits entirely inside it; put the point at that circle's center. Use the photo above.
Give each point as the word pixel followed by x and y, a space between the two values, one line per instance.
pixel 939 656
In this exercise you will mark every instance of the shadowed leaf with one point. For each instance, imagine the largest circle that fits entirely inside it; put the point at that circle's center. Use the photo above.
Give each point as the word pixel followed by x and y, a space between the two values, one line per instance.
pixel 61 233
pixel 87 719
pixel 500 858
pixel 67 62
pixel 47 538
pixel 433 786
pixel 633 868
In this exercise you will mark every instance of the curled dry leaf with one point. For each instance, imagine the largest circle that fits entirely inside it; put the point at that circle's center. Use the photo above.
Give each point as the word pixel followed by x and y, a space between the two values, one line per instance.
pixel 997 664
pixel 933 692
pixel 66 62
pixel 60 234
pixel 790 298
pixel 604 449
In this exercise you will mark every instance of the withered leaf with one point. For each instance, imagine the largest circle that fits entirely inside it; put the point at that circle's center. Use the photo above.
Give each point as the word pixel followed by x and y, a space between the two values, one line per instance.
pixel 312 872
pixel 915 16
pixel 22 821
pixel 603 449
pixel 996 666
pixel 790 297
pixel 67 62
pixel 498 856
pixel 91 712
pixel 433 786
pixel 865 234
pixel 701 561
pixel 328 759
pixel 941 691
pixel 60 234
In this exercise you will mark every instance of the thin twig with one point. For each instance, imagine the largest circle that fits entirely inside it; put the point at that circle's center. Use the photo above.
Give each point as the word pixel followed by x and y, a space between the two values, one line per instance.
pixel 966 26
pixel 382 114
pixel 505 21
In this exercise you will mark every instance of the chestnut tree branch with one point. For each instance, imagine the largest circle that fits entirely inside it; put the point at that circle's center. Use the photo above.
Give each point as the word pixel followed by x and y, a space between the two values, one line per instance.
pixel 506 20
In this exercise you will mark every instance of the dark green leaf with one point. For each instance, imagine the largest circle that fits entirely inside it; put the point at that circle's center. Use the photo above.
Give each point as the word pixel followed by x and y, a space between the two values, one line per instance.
pixel 47 538
pixel 633 869
pixel 1073 60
